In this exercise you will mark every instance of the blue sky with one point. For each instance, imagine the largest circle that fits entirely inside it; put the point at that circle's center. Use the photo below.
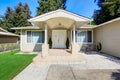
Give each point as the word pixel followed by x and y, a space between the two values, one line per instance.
pixel 82 7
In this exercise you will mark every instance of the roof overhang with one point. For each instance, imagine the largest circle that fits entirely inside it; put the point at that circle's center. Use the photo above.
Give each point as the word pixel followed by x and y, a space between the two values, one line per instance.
pixel 27 27
pixel 8 34
pixel 117 19
pixel 4 32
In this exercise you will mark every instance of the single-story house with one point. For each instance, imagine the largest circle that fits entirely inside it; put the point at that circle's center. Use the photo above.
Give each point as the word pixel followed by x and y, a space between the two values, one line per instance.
pixel 7 37
pixel 60 25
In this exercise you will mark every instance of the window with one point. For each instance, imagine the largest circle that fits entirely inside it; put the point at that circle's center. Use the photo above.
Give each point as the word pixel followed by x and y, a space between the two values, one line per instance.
pixel 35 36
pixel 83 36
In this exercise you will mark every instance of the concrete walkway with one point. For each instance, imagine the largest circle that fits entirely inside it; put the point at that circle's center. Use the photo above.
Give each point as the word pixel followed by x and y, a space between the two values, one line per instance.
pixel 94 61
pixel 64 72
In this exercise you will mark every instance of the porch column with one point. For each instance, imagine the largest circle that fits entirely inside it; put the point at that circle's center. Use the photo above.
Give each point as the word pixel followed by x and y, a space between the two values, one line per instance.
pixel 75 47
pixel 45 46
pixel 46 33
pixel 74 34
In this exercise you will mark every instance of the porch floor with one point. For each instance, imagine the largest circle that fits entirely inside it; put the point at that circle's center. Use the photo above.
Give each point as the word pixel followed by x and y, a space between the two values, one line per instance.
pixel 59 56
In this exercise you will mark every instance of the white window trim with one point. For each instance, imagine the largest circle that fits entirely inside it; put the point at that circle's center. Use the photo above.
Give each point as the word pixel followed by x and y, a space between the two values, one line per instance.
pixel 26 36
pixel 85 42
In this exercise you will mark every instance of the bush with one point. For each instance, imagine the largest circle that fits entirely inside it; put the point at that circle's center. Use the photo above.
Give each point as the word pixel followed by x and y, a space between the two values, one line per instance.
pixel 9 46
pixel 67 43
pixel 50 42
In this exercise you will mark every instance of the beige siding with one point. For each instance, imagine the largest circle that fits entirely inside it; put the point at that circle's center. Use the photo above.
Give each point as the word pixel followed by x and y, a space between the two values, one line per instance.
pixel 28 47
pixel 109 36
pixel 8 39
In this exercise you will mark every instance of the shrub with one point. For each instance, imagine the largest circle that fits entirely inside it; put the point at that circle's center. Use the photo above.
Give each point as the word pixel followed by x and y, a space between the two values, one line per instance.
pixel 9 46
pixel 50 42
pixel 67 43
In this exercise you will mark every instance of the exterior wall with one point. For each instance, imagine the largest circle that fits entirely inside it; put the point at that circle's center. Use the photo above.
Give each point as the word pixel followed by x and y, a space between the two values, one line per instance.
pixel 109 36
pixel 28 47
pixel 8 39
pixel 84 47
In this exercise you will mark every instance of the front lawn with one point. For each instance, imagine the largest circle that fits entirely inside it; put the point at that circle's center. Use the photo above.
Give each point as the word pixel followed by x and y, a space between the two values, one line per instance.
pixel 11 64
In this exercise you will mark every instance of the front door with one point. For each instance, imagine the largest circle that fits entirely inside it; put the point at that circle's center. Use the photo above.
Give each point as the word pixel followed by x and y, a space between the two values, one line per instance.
pixel 59 38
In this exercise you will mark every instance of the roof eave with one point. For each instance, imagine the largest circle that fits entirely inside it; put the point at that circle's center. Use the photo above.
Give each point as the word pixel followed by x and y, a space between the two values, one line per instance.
pixel 108 22
pixel 71 13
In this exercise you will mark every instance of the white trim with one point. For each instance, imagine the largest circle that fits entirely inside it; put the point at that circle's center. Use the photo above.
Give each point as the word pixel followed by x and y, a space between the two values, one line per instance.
pixel 46 34
pixel 108 22
pixel 86 34
pixel 26 36
pixel 59 10
pixel 74 41
pixel 71 37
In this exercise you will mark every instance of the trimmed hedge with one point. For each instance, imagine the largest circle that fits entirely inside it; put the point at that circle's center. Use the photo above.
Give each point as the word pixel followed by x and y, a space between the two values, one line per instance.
pixel 9 46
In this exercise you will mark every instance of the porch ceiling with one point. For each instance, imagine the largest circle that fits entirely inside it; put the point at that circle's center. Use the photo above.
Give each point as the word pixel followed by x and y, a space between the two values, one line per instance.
pixel 59 22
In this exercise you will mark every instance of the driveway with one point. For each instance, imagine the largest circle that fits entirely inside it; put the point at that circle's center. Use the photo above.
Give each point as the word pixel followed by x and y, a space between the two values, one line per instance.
pixel 64 72
pixel 96 65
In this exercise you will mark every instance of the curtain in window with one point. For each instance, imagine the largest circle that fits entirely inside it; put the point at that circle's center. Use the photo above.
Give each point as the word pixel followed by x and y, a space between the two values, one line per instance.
pixel 83 36
pixel 29 37
pixel 35 36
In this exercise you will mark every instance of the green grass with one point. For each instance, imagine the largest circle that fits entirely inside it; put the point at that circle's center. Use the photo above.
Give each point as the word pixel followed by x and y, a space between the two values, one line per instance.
pixel 11 63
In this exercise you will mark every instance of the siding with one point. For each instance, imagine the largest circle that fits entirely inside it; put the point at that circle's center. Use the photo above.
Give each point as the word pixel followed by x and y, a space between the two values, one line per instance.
pixel 109 36
pixel 8 39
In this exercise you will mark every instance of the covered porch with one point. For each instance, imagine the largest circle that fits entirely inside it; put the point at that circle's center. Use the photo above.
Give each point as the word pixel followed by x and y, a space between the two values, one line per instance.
pixel 61 25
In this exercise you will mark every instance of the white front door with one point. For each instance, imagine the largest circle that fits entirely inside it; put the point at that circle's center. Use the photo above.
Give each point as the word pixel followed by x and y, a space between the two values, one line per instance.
pixel 59 38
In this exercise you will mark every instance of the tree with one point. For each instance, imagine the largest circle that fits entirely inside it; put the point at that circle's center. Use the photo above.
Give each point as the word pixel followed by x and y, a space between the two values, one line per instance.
pixel 16 17
pixel 50 5
pixel 109 9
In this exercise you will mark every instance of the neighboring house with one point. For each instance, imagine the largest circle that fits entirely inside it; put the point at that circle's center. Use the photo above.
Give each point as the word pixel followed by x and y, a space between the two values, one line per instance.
pixel 7 37
pixel 60 25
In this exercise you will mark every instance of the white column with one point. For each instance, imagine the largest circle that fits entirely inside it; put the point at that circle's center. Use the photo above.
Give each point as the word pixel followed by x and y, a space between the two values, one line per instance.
pixel 71 36
pixel 74 34
pixel 46 35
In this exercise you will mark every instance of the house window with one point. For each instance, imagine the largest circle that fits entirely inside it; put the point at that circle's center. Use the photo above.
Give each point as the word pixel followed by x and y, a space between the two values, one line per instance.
pixel 35 36
pixel 83 36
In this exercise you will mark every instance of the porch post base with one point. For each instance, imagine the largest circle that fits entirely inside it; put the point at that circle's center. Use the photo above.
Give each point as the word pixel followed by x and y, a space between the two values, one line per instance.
pixel 45 49
pixel 74 48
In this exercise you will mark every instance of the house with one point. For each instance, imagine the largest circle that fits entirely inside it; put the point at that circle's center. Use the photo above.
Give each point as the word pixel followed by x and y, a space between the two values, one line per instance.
pixel 7 37
pixel 108 34
pixel 60 25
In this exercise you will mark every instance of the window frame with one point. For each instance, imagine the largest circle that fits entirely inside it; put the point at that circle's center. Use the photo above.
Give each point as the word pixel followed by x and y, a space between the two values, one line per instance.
pixel 87 37
pixel 34 31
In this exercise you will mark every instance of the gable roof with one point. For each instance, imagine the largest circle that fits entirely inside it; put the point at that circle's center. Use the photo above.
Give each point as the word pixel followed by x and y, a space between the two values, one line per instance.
pixel 6 33
pixel 116 19
pixel 59 13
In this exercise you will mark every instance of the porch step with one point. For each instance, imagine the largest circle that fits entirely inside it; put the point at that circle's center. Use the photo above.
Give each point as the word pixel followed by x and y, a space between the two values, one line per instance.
pixel 39 60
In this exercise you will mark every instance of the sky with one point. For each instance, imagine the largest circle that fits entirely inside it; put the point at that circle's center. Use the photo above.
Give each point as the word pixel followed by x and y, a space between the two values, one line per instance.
pixel 81 7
